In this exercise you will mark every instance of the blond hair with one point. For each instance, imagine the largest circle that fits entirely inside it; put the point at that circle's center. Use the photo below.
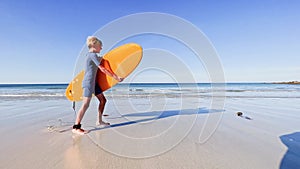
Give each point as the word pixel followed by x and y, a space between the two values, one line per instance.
pixel 92 40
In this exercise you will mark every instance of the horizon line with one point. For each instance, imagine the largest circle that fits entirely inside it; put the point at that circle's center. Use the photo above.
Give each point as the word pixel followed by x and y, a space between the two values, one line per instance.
pixel 64 83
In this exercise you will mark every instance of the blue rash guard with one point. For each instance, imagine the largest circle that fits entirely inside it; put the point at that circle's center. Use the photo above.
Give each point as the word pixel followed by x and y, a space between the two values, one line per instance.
pixel 89 80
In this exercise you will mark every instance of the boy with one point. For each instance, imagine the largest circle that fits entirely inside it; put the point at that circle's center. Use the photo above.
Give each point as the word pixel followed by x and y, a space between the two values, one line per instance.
pixel 90 85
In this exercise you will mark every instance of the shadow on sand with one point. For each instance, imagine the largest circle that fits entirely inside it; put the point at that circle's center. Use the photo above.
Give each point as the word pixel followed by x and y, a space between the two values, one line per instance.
pixel 155 115
pixel 291 159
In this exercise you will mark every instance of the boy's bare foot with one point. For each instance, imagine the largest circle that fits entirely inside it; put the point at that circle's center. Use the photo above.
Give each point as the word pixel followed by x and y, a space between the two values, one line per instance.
pixel 102 124
pixel 79 131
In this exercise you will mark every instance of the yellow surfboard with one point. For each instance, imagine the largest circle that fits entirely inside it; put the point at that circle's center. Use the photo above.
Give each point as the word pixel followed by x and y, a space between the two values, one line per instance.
pixel 121 60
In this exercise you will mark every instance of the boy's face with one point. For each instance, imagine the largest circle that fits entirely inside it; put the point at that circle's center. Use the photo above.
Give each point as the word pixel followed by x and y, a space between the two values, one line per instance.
pixel 98 47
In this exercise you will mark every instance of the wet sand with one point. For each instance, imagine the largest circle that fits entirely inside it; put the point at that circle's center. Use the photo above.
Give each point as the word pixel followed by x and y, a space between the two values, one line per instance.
pixel 164 134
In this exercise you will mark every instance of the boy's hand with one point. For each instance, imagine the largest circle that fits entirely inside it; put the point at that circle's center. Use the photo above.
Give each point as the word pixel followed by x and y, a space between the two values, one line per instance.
pixel 120 79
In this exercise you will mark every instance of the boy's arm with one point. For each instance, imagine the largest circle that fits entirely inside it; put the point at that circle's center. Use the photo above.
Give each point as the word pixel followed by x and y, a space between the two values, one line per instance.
pixel 104 70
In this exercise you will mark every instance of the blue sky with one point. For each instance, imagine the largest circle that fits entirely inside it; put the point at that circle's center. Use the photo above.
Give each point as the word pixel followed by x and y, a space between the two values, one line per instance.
pixel 257 41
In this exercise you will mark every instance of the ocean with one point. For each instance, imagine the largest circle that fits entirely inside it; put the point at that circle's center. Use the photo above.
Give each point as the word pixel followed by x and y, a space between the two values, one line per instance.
pixel 232 90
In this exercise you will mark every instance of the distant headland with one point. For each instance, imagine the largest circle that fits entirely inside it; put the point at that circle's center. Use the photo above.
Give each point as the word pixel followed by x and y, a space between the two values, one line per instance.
pixel 291 82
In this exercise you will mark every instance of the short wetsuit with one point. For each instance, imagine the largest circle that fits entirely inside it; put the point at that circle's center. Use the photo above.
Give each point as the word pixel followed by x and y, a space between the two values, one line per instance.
pixel 89 81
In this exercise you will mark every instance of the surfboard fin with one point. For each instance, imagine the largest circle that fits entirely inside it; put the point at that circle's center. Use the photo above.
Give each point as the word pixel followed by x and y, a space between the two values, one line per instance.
pixel 73 106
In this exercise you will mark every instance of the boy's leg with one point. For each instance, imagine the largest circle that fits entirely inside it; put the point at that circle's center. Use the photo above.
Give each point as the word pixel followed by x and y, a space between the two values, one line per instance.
pixel 82 110
pixel 102 102
pixel 77 127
